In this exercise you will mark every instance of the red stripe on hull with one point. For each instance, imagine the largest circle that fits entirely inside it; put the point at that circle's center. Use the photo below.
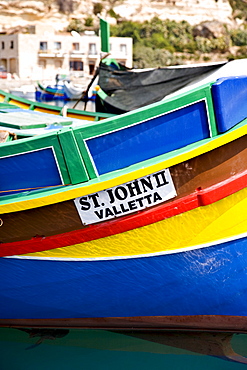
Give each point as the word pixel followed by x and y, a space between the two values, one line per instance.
pixel 201 197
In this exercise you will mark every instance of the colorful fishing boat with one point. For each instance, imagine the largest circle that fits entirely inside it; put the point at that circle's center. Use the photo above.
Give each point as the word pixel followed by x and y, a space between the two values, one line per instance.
pixel 138 221
pixel 65 91
pixel 50 92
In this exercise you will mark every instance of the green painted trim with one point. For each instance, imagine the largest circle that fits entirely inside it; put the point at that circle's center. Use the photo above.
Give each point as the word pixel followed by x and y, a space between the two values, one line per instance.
pixel 102 94
pixel 212 119
pixel 74 161
pixel 4 106
pixel 79 136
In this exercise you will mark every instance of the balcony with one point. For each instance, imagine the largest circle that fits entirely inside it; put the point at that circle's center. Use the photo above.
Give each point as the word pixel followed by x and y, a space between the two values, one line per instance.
pixel 46 53
pixel 93 54
pixel 51 54
pixel 76 54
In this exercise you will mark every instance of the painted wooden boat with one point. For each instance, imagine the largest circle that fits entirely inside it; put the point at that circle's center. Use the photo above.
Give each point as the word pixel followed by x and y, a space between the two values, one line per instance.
pixel 76 92
pixel 27 118
pixel 50 92
pixel 73 92
pixel 138 221
pixel 66 91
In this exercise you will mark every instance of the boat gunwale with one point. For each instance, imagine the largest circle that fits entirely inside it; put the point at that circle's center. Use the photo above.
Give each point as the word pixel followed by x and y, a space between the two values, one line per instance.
pixel 48 196
pixel 33 105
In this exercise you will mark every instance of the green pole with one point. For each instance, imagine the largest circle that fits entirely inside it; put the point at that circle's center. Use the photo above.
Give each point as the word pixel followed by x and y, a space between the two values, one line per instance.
pixel 105 35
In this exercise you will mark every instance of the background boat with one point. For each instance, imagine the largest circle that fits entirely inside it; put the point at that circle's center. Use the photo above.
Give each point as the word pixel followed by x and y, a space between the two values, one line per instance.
pixel 65 91
pixel 50 92
pixel 27 117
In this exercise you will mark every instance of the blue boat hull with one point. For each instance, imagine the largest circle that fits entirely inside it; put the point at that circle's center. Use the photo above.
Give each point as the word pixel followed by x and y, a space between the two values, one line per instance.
pixel 208 281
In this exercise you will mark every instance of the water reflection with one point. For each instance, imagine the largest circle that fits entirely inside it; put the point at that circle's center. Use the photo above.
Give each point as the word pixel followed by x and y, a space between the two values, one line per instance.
pixel 106 350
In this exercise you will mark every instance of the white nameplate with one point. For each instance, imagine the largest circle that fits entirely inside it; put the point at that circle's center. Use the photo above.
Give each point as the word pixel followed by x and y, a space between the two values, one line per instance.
pixel 126 198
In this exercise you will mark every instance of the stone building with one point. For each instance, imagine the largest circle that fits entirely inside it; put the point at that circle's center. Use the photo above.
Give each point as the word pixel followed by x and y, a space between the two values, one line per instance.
pixel 43 53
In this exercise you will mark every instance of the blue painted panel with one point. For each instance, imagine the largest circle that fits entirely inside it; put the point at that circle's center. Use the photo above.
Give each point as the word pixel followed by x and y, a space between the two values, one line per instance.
pixel 28 170
pixel 150 138
pixel 208 281
pixel 229 98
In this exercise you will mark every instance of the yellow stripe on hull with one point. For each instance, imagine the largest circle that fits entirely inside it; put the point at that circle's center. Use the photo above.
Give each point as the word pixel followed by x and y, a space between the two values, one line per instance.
pixel 19 104
pixel 224 219
pixel 82 117
pixel 45 110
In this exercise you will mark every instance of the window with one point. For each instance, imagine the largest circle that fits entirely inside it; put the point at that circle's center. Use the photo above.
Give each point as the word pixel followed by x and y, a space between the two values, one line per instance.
pixel 43 45
pixel 3 65
pixel 11 44
pixel 42 63
pixel 58 64
pixel 13 65
pixel 57 45
pixel 92 49
pixel 76 46
pixel 76 65
pixel 123 48
pixel 91 67
pixel 3 45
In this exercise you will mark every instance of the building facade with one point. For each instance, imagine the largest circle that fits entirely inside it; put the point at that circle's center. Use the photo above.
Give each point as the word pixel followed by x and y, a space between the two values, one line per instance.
pixel 42 53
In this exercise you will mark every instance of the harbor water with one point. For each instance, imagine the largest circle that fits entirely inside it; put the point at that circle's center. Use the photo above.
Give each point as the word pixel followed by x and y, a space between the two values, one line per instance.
pixel 103 350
